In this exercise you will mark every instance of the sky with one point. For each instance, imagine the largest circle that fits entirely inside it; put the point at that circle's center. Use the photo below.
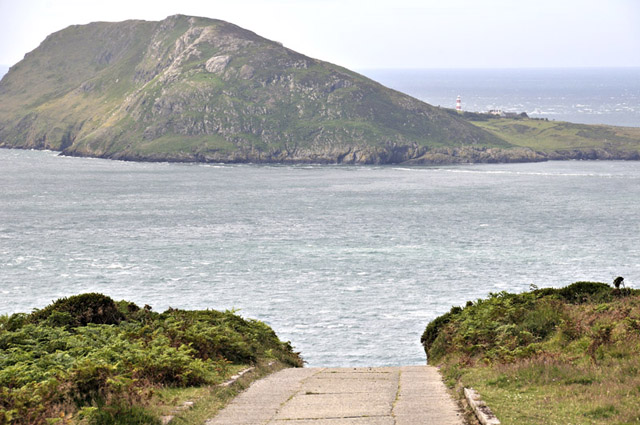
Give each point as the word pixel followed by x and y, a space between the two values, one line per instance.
pixel 375 34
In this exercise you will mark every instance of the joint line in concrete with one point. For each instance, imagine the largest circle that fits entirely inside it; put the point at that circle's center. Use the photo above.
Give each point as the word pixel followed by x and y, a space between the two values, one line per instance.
pixel 395 401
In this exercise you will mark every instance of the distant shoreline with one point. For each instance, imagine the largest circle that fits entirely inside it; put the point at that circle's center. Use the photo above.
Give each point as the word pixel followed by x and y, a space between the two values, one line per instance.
pixel 438 156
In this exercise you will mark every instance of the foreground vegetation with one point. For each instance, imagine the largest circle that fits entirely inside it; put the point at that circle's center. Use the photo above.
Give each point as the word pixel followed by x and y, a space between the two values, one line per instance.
pixel 87 359
pixel 549 356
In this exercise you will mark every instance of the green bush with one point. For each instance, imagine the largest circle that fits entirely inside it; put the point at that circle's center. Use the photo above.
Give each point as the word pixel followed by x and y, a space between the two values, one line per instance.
pixel 543 319
pixel 433 328
pixel 87 352
pixel 559 348
pixel 507 326
pixel 80 310
pixel 15 321
pixel 581 292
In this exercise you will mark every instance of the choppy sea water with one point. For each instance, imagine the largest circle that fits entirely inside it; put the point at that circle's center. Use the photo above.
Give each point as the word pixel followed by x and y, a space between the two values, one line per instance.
pixel 349 263
pixel 581 95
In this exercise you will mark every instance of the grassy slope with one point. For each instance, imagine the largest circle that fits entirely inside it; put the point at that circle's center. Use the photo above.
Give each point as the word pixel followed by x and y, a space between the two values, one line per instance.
pixel 141 88
pixel 549 136
pixel 74 79
pixel 89 359
pixel 568 356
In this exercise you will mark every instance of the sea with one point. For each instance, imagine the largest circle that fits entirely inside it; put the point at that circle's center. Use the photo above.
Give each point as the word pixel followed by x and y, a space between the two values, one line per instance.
pixel 580 95
pixel 349 263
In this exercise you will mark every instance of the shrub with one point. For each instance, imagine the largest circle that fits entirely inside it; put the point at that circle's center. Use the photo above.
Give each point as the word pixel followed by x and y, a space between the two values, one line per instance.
pixel 508 326
pixel 552 347
pixel 581 292
pixel 80 310
pixel 543 319
pixel 90 381
pixel 80 353
pixel 433 328
pixel 15 322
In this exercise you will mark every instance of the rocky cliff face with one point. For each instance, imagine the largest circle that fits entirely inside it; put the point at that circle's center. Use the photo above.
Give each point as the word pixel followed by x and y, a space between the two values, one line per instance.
pixel 195 89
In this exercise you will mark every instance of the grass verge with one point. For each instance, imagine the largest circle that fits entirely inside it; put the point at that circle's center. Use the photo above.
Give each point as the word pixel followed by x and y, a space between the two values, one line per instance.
pixel 209 400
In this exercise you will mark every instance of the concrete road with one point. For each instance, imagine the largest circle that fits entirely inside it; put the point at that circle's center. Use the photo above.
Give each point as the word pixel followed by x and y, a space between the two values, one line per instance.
pixel 409 395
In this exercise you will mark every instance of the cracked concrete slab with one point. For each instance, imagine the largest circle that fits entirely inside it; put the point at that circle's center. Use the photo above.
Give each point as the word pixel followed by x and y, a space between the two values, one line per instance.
pixel 344 396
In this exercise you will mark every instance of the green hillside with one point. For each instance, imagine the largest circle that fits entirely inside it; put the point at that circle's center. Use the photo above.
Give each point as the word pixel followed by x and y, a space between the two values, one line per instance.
pixel 565 140
pixel 196 89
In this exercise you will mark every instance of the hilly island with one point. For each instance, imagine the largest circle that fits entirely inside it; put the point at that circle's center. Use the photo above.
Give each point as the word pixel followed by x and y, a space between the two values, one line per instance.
pixel 197 89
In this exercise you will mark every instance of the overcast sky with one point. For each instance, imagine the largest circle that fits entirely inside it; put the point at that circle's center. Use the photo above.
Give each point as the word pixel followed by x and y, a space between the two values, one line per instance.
pixel 365 34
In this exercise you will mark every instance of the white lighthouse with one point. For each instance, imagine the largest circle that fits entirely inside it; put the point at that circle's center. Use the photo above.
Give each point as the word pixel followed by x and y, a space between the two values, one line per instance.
pixel 459 104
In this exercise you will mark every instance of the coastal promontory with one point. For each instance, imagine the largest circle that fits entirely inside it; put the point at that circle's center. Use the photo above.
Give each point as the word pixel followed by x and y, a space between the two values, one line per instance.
pixel 198 89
